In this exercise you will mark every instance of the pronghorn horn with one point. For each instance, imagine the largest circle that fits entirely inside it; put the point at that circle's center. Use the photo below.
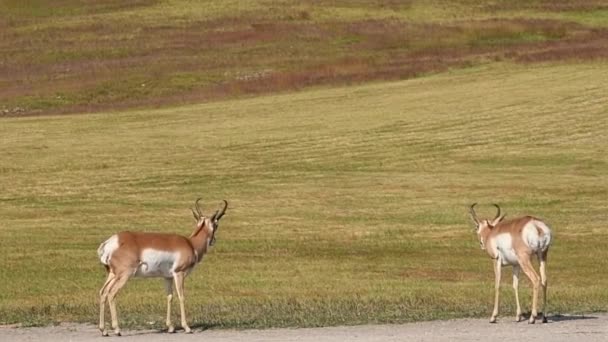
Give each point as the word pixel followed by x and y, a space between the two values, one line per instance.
pixel 473 214
pixel 222 212
pixel 198 208
pixel 498 213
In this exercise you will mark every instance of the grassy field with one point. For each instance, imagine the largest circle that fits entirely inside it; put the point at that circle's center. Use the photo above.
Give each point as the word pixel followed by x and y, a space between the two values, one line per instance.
pixel 71 56
pixel 347 205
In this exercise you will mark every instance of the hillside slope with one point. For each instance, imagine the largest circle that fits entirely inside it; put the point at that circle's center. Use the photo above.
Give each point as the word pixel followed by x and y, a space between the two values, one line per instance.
pixel 347 205
pixel 89 56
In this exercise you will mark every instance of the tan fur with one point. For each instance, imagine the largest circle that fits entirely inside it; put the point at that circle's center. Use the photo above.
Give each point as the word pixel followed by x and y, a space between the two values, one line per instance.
pixel 188 248
pixel 513 227
pixel 125 260
pixel 488 233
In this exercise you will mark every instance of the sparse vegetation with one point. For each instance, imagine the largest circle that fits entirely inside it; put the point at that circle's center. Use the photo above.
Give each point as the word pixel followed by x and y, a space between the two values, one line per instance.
pixel 89 56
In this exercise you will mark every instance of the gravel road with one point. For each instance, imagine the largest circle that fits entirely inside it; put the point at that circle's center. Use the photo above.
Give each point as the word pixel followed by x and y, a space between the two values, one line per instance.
pixel 580 328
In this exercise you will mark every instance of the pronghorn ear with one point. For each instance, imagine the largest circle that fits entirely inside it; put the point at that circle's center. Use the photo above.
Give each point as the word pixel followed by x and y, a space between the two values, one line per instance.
pixel 488 224
pixel 215 217
pixel 498 219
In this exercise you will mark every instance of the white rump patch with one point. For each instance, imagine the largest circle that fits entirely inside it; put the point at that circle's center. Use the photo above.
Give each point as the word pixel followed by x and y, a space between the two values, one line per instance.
pixel 107 248
pixel 537 241
pixel 156 263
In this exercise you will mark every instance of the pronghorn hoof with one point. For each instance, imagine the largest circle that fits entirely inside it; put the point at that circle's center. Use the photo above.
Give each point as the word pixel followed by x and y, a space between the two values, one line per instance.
pixel 493 320
pixel 118 333
pixel 171 329
pixel 104 333
pixel 531 321
pixel 517 318
pixel 188 330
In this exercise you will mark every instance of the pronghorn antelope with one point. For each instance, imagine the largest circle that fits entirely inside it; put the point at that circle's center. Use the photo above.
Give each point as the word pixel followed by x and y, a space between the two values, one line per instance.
pixel 170 256
pixel 513 242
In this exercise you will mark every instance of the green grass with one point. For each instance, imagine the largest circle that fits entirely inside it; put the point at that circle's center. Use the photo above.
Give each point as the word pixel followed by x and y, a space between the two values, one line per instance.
pixel 347 205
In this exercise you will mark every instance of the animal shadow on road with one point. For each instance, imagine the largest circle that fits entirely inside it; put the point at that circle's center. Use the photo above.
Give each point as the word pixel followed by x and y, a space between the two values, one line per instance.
pixel 562 318
pixel 198 327
pixel 558 318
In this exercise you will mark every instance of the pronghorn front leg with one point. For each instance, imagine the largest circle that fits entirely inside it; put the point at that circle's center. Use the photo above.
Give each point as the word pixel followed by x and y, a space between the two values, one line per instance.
pixel 119 282
pixel 497 270
pixel 179 287
pixel 516 270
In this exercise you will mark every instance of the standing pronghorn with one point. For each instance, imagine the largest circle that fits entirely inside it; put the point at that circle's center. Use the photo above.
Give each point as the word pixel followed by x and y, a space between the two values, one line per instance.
pixel 169 256
pixel 514 242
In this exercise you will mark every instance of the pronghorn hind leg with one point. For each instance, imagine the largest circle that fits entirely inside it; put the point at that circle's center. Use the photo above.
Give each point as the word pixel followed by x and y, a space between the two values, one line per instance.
pixel 542 258
pixel 119 282
pixel 497 271
pixel 103 295
pixel 528 269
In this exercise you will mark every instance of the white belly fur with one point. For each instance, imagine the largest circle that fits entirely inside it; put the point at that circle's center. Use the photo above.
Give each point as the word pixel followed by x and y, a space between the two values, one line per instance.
pixel 157 263
pixel 504 250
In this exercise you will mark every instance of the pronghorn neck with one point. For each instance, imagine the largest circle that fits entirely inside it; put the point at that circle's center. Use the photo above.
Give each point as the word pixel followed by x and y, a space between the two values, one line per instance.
pixel 200 241
pixel 488 243
pixel 486 234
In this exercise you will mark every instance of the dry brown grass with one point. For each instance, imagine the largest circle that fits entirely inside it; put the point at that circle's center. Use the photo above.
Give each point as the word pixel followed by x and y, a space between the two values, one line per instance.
pixel 589 46
pixel 551 5
pixel 62 60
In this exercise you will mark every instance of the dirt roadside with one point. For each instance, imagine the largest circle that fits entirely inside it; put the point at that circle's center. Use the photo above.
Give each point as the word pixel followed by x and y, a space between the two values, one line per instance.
pixel 580 328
